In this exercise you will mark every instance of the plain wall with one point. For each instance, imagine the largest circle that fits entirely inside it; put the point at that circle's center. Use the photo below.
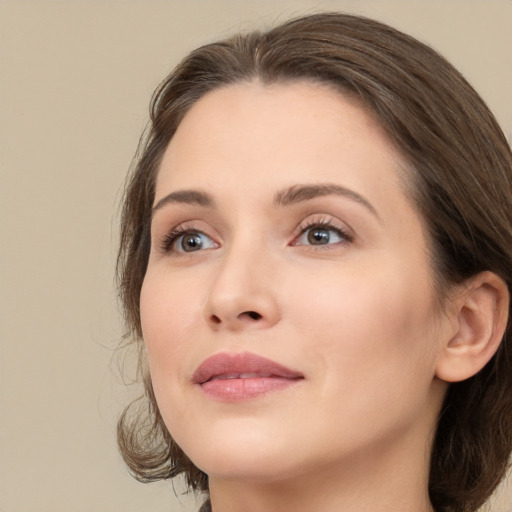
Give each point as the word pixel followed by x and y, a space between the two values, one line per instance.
pixel 75 82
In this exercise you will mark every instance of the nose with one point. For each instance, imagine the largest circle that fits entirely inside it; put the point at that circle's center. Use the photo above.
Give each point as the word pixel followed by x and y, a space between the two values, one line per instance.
pixel 243 294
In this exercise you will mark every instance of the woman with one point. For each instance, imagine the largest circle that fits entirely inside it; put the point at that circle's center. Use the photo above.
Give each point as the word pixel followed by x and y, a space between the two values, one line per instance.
pixel 316 249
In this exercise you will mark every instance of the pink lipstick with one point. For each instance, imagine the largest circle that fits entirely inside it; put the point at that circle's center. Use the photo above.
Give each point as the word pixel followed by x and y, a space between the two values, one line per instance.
pixel 231 377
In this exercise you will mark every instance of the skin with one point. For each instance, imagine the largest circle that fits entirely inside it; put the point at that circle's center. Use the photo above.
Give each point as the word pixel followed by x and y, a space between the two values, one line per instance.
pixel 355 316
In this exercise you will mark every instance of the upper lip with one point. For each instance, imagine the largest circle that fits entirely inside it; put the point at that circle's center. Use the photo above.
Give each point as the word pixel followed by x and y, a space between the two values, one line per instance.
pixel 239 365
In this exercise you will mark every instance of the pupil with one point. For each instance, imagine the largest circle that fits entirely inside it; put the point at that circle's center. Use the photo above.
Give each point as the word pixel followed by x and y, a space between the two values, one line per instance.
pixel 318 236
pixel 191 243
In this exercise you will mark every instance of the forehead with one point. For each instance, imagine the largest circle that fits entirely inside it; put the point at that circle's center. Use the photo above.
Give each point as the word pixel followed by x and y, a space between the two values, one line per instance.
pixel 253 136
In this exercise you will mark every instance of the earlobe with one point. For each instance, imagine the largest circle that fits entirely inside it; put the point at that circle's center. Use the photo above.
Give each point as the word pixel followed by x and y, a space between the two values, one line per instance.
pixel 481 319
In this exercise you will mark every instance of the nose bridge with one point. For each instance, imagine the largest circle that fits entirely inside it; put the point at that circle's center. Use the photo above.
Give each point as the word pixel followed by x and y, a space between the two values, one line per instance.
pixel 242 292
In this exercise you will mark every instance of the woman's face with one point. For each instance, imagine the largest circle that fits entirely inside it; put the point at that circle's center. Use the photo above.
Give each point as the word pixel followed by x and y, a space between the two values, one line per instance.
pixel 288 308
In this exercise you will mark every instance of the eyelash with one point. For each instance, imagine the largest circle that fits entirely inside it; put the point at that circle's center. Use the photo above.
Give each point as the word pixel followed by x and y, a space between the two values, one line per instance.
pixel 326 224
pixel 175 234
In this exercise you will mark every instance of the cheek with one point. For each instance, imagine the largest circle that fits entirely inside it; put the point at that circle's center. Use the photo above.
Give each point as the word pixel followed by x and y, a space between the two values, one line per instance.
pixel 373 339
pixel 169 318
pixel 377 320
pixel 169 310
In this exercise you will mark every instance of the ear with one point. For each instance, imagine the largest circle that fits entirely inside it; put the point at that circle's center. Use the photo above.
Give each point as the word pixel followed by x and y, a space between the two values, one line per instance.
pixel 481 311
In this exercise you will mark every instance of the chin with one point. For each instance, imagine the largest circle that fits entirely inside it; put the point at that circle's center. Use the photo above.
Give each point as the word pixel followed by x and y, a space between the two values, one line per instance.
pixel 242 454
pixel 248 468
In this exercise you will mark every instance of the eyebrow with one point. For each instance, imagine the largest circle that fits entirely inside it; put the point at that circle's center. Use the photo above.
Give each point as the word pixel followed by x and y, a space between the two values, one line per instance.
pixel 299 193
pixel 194 197
pixel 288 196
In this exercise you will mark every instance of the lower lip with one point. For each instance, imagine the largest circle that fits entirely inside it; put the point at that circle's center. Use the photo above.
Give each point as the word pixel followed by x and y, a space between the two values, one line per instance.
pixel 232 390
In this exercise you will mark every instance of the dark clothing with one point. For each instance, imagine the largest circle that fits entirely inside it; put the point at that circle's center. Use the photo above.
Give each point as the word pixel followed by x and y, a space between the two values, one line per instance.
pixel 206 506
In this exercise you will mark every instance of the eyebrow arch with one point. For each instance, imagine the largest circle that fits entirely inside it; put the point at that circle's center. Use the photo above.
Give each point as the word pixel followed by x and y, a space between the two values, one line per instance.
pixel 288 196
pixel 299 193
pixel 194 197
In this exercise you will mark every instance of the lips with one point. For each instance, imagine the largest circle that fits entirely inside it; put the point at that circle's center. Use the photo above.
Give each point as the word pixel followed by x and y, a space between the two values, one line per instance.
pixel 229 377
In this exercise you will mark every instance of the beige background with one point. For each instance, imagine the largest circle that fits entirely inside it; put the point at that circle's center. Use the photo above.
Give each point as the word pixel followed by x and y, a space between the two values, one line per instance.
pixel 76 77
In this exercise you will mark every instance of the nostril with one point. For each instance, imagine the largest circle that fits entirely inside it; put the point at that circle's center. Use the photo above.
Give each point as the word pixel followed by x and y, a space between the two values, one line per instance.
pixel 251 314
pixel 216 319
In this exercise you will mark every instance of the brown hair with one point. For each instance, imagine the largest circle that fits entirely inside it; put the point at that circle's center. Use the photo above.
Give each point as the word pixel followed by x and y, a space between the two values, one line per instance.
pixel 461 182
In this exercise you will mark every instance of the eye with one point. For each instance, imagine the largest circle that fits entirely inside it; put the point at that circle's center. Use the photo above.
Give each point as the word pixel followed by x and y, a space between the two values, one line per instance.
pixel 187 240
pixel 321 234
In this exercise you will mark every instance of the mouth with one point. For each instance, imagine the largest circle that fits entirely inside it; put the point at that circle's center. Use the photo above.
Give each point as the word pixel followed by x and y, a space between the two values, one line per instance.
pixel 232 377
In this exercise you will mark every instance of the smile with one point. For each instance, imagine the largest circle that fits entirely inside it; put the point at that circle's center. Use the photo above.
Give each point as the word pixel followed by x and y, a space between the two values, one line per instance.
pixel 246 375
pixel 234 377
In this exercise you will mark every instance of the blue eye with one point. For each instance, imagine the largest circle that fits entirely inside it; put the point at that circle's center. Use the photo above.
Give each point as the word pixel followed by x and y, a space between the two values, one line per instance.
pixel 181 240
pixel 321 234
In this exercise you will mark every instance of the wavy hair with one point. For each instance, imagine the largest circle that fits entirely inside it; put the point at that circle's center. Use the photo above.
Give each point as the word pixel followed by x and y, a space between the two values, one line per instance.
pixel 460 180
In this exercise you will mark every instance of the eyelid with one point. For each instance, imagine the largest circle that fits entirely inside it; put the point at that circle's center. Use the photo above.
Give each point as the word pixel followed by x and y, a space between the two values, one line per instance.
pixel 166 242
pixel 322 222
pixel 170 237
